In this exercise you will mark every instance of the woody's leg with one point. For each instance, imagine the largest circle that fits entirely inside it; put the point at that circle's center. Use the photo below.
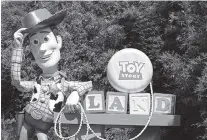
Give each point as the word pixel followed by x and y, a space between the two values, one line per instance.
pixel 25 131
pixel 41 135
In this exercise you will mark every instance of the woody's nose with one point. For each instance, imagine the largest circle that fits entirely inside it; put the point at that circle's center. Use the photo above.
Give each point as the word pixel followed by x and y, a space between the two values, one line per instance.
pixel 42 49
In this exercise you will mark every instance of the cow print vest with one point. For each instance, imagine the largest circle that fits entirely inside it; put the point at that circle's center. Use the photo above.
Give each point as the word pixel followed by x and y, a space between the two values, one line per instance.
pixel 48 95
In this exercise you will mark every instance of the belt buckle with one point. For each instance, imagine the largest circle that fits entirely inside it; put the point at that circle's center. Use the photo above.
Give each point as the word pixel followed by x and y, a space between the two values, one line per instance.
pixel 36 114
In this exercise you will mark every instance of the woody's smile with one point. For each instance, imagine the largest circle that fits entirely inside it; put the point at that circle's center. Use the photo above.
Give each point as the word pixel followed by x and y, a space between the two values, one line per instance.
pixel 46 57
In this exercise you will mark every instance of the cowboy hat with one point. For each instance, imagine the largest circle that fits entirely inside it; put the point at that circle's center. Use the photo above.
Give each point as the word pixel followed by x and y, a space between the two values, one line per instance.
pixel 41 18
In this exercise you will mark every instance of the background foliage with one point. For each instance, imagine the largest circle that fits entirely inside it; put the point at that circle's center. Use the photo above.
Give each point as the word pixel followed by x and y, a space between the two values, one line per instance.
pixel 172 34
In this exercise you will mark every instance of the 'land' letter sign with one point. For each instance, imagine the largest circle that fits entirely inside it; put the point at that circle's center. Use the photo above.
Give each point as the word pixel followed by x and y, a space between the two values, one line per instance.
pixel 139 103
pixel 164 103
pixel 94 102
pixel 116 102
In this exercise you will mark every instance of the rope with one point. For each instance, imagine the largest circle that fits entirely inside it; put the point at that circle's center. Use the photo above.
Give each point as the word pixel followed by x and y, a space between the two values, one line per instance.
pixel 83 116
pixel 150 115
pixel 60 131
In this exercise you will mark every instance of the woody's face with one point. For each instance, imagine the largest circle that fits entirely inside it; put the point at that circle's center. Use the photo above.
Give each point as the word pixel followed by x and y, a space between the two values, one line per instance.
pixel 45 47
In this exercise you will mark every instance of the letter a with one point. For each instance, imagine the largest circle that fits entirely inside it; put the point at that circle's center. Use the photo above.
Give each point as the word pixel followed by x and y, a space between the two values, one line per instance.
pixel 116 103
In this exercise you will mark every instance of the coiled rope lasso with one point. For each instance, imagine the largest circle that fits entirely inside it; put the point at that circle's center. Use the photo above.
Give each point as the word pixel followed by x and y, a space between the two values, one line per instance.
pixel 83 116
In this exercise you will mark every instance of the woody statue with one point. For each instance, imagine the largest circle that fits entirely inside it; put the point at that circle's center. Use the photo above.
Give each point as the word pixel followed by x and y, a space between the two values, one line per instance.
pixel 50 89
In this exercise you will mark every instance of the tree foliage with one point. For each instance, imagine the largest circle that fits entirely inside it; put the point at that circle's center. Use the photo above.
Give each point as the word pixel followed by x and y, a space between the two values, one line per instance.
pixel 172 34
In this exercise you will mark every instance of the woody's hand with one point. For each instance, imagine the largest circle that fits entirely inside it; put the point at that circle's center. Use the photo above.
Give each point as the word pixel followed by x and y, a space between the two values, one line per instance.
pixel 19 38
pixel 72 102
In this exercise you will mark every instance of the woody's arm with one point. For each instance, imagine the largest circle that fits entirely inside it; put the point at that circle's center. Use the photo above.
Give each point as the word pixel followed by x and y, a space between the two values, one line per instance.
pixel 80 87
pixel 24 86
pixel 16 61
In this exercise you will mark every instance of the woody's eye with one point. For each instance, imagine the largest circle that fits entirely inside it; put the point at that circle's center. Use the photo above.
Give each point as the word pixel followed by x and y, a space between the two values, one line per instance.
pixel 35 42
pixel 46 38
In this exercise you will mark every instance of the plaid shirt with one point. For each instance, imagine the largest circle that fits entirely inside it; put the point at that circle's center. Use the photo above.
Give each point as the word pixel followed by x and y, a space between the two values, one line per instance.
pixel 35 108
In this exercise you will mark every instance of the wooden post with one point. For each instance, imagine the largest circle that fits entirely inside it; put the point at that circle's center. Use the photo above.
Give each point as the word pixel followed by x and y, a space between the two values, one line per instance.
pixel 98 129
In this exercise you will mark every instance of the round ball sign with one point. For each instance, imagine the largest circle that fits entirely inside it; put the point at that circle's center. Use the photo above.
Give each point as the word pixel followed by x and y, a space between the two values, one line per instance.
pixel 129 70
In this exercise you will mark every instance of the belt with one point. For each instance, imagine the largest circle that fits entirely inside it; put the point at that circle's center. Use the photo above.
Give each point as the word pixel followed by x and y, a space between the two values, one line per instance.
pixel 39 114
